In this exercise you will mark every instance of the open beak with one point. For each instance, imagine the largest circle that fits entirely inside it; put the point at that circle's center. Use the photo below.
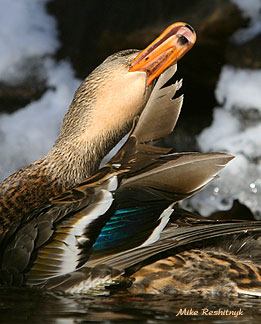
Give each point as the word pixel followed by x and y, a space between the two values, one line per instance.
pixel 166 50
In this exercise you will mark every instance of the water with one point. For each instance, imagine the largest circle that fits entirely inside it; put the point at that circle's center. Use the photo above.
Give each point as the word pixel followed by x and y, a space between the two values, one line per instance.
pixel 21 305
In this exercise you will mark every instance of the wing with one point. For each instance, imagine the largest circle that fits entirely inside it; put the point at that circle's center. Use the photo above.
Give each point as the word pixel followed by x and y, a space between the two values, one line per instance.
pixel 102 271
pixel 54 238
pixel 132 216
pixel 178 233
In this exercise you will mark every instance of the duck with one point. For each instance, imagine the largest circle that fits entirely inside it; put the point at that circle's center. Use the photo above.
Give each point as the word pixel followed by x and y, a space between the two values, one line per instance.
pixel 120 229
pixel 101 113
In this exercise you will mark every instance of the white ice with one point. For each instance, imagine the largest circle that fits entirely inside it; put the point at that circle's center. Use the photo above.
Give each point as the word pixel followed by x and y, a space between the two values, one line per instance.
pixel 236 128
pixel 30 36
pixel 26 31
pixel 251 9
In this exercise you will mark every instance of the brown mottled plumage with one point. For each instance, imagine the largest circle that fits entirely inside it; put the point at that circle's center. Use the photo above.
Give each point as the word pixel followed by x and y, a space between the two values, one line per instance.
pixel 202 271
pixel 24 190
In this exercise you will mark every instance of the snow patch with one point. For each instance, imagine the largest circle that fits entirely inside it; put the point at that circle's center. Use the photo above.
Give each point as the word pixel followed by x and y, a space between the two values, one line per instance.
pixel 236 129
pixel 26 31
pixel 250 9
pixel 28 35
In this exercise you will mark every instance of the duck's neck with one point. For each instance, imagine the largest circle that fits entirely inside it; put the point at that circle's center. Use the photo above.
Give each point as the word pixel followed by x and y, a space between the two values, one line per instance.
pixel 72 161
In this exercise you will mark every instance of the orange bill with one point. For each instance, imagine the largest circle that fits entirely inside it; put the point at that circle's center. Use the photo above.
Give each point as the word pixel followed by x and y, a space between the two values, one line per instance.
pixel 165 50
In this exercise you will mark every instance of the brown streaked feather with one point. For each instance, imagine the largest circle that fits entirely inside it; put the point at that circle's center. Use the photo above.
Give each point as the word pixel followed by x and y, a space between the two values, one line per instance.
pixel 205 271
pixel 25 190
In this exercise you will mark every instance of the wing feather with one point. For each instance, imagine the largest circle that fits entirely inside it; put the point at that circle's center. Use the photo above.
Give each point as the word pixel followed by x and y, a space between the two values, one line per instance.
pixel 161 112
pixel 175 236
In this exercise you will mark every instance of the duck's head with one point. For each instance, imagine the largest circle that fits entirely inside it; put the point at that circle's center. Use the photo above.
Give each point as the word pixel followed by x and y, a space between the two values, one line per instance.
pixel 107 101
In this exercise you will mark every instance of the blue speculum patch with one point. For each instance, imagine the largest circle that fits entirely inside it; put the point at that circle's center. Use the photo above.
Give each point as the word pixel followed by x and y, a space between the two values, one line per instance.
pixel 127 224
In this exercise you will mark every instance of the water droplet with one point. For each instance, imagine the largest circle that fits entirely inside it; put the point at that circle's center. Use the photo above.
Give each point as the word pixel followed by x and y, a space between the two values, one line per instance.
pixel 252 185
pixel 216 189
